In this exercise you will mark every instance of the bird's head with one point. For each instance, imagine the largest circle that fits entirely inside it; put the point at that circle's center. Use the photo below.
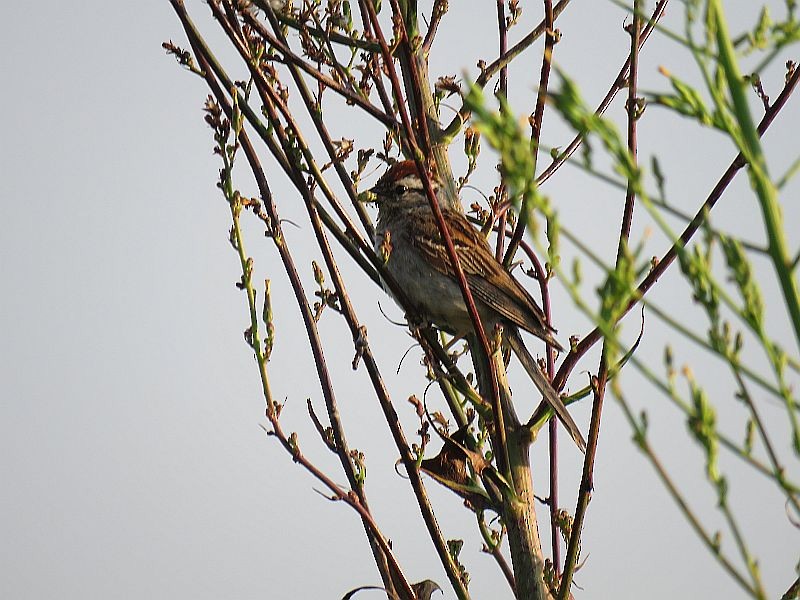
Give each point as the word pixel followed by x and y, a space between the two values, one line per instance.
pixel 400 186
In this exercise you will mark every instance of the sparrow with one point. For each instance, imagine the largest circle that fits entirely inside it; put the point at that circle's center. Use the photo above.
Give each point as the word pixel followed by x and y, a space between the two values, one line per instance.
pixel 408 239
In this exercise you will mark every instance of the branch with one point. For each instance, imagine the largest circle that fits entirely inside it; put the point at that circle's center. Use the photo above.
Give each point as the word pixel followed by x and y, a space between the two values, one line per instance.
pixel 335 36
pixel 439 9
pixel 322 131
pixel 587 476
pixel 618 84
pixel 357 498
pixel 491 70
pixel 710 541
pixel 437 212
pixel 700 217
pixel 293 59
pixel 536 126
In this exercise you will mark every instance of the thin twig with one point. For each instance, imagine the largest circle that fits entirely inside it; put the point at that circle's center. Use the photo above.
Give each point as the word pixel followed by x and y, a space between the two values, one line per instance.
pixel 335 36
pixel 571 360
pixel 291 58
pixel 355 499
pixel 439 10
pixel 269 96
pixel 374 63
pixel 325 137
pixel 422 134
pixel 493 544
pixel 779 471
pixel 494 67
pixel 618 84
pixel 326 39
pixel 587 477
pixel 711 543
pixel 502 190
pixel 536 124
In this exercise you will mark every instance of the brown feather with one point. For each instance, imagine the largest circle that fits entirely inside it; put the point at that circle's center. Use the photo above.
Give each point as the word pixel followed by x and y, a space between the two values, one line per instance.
pixel 489 281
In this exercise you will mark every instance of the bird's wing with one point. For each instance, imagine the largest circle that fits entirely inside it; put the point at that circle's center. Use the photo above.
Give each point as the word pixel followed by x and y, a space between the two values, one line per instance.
pixel 489 281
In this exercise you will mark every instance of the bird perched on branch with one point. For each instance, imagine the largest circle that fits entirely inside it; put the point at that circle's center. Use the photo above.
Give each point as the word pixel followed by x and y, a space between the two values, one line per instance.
pixel 408 237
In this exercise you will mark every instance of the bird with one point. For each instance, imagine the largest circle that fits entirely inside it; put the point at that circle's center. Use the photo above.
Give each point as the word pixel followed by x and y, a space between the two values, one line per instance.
pixel 408 238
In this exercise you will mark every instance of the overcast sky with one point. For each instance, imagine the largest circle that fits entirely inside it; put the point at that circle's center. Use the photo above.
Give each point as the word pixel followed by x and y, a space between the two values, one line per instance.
pixel 131 454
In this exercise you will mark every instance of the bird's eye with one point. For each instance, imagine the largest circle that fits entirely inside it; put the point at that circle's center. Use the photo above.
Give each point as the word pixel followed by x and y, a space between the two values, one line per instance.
pixel 400 189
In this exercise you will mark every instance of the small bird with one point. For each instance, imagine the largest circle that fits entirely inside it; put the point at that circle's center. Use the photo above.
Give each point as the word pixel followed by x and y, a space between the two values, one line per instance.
pixel 408 237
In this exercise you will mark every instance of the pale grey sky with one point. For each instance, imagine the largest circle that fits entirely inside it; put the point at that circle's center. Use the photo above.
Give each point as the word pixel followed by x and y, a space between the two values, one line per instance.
pixel 132 461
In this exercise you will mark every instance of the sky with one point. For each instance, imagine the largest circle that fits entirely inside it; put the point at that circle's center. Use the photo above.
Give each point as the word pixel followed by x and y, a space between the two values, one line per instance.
pixel 131 449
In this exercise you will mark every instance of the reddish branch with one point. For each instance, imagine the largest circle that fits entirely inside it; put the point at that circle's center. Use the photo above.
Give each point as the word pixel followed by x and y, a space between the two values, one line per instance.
pixel 618 84
pixel 700 217
pixel 599 388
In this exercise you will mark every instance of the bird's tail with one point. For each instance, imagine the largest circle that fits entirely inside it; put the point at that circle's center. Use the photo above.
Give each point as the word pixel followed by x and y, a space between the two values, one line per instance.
pixel 544 386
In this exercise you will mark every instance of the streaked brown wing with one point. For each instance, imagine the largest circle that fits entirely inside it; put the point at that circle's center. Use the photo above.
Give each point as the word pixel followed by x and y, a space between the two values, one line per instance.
pixel 489 281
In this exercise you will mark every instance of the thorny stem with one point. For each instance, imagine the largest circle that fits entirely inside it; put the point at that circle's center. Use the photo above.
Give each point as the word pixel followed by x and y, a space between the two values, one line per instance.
pixel 599 388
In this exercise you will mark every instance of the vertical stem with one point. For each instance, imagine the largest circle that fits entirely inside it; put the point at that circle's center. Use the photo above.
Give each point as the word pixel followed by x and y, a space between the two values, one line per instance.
pixel 523 530
pixel 587 478
pixel 519 514
pixel 552 500
pixel 759 177
pixel 502 194
pixel 536 121
pixel 414 66
pixel 552 437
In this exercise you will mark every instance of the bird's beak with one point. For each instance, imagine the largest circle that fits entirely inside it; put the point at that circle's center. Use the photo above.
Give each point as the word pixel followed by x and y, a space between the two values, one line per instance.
pixel 368 196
